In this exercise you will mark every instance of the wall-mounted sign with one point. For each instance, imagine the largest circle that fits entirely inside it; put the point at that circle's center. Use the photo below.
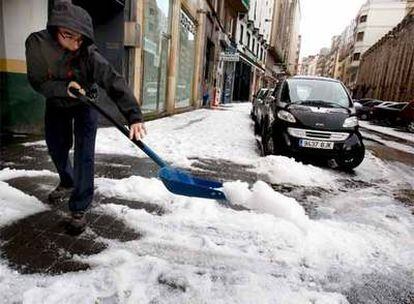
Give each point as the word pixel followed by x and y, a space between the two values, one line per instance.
pixel 230 57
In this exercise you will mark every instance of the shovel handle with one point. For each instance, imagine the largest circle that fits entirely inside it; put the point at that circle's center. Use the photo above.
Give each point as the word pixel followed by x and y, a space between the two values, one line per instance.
pixel 124 130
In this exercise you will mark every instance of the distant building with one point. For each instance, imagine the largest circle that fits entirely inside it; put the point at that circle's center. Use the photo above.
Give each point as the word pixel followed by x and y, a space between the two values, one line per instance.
pixel 410 5
pixel 309 65
pixel 375 19
pixel 386 69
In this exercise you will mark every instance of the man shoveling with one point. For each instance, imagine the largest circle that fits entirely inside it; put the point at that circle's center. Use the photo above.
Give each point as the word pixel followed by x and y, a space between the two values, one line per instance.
pixel 61 57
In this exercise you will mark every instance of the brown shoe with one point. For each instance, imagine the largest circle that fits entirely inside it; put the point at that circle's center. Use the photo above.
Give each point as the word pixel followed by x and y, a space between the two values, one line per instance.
pixel 77 223
pixel 59 194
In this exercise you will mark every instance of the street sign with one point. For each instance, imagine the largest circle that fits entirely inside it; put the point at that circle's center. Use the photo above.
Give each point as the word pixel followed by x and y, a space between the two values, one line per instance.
pixel 230 57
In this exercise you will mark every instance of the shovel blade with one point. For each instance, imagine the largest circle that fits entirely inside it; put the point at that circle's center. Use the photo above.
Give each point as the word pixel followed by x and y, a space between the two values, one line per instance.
pixel 183 183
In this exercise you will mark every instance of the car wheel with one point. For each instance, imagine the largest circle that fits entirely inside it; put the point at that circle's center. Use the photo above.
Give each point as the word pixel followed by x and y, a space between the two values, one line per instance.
pixel 349 162
pixel 267 140
pixel 256 127
pixel 364 117
pixel 410 127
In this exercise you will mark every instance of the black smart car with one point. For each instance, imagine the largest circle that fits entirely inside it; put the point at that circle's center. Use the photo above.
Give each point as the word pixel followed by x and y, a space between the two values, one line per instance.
pixel 314 116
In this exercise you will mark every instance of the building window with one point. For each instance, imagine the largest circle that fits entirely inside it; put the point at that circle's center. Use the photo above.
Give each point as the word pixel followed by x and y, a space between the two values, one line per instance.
pixel 363 19
pixel 241 34
pixel 356 57
pixel 261 53
pixel 360 36
pixel 156 31
pixel 248 40
pixel 253 45
pixel 257 50
pixel 185 62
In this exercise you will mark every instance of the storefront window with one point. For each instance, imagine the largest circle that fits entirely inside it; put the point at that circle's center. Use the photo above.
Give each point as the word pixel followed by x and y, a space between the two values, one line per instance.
pixel 155 52
pixel 186 61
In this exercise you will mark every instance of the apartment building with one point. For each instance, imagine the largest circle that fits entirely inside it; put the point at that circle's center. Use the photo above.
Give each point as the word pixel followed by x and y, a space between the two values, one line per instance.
pixel 375 19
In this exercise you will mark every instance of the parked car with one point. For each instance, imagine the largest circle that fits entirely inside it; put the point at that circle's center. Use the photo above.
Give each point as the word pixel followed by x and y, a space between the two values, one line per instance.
pixel 261 109
pixel 387 113
pixel 364 111
pixel 257 103
pixel 406 116
pixel 363 101
pixel 314 116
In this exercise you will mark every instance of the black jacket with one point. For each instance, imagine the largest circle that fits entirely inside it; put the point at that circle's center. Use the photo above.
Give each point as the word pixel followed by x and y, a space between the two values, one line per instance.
pixel 50 68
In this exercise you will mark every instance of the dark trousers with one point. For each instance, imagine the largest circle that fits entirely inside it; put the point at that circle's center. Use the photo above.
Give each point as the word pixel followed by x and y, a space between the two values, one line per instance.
pixel 60 126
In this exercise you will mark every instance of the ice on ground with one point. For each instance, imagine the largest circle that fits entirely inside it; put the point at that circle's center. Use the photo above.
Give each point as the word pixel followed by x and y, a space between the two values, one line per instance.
pixel 8 173
pixel 388 143
pixel 135 188
pixel 202 252
pixel 263 198
pixel 386 130
pixel 15 205
pixel 281 169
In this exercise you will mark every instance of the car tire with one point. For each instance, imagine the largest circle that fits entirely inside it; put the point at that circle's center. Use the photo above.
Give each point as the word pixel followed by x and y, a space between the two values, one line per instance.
pixel 410 127
pixel 352 161
pixel 364 117
pixel 256 127
pixel 271 142
pixel 267 141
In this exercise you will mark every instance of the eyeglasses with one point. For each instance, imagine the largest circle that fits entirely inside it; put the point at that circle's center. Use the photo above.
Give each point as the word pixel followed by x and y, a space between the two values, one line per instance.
pixel 70 36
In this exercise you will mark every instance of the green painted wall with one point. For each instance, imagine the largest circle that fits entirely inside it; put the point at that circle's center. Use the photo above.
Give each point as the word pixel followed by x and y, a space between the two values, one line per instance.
pixel 22 109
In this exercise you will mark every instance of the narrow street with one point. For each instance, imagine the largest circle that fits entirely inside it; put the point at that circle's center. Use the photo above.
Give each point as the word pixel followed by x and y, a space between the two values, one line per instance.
pixel 290 233
pixel 206 152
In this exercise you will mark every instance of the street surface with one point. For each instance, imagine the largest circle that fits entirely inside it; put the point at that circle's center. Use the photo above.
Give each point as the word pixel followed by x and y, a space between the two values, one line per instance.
pixel 290 233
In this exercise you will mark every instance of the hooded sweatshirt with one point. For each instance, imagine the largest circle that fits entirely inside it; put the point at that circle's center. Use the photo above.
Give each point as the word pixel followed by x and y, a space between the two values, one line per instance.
pixel 50 68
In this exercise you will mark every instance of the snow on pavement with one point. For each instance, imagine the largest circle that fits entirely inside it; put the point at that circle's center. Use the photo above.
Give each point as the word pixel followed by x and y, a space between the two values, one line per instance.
pixel 202 252
pixel 387 130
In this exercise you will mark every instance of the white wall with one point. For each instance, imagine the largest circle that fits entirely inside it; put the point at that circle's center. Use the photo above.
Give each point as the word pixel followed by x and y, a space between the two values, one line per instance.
pixel 294 41
pixel 259 11
pixel 20 18
pixel 382 17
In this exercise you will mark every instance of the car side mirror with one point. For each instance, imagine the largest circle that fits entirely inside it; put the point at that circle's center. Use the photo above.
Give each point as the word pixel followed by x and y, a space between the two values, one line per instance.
pixel 357 105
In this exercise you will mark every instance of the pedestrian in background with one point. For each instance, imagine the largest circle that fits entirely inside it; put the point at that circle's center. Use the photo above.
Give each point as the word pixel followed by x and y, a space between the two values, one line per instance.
pixel 61 57
pixel 206 94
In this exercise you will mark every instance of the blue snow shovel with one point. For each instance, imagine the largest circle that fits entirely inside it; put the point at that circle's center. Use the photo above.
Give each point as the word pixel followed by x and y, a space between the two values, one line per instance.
pixel 177 181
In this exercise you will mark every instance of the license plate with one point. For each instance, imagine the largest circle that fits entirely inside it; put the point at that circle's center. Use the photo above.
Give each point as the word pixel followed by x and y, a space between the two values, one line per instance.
pixel 316 144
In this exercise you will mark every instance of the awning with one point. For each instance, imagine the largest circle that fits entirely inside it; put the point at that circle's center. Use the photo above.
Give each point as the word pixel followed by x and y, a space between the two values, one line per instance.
pixel 251 62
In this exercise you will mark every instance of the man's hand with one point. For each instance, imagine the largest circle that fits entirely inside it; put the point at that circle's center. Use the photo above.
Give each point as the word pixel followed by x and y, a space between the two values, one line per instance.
pixel 137 131
pixel 75 85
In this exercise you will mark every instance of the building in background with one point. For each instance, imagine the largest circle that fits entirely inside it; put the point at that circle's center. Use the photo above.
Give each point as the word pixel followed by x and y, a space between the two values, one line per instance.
pixel 285 38
pixel 410 6
pixel 375 19
pixel 386 69
pixel 333 58
pixel 309 65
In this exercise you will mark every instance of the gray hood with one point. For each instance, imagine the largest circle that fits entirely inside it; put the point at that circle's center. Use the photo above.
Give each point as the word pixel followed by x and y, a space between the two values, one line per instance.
pixel 65 14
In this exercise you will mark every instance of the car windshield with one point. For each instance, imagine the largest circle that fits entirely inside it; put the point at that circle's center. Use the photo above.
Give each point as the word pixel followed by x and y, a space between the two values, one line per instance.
pixel 317 92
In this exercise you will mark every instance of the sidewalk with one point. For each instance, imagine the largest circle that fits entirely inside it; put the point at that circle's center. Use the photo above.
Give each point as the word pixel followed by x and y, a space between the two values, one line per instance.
pixel 406 136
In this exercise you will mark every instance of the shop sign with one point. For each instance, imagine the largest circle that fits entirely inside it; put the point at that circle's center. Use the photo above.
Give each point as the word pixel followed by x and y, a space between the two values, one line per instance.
pixel 230 57
pixel 150 46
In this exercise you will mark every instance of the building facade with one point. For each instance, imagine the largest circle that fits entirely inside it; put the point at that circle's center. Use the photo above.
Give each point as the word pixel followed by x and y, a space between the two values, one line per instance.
pixel 386 70
pixel 375 19
pixel 168 50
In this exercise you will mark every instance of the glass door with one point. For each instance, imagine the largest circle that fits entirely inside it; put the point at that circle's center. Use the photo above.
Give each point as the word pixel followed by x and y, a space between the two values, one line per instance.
pixel 186 61
pixel 156 38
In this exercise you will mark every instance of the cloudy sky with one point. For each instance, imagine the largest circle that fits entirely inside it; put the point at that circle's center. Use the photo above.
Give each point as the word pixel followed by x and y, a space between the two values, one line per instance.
pixel 322 19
